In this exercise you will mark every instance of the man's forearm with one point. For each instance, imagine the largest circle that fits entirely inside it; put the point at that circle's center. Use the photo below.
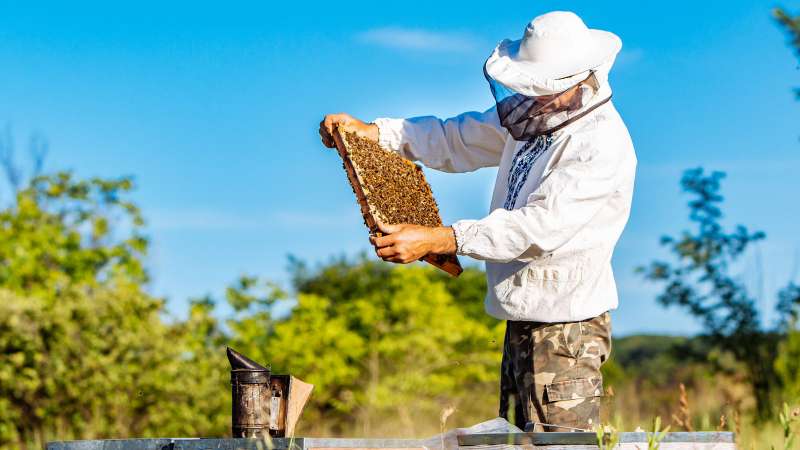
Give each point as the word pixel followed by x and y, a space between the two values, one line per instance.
pixel 443 240
pixel 405 243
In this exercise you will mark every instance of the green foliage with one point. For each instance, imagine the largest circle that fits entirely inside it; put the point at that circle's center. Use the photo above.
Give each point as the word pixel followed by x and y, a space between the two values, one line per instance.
pixel 787 365
pixel 791 25
pixel 651 358
pixel 83 364
pixel 701 281
pixel 655 437
pixel 88 353
pixel 787 419
pixel 607 437
pixel 381 341
pixel 59 233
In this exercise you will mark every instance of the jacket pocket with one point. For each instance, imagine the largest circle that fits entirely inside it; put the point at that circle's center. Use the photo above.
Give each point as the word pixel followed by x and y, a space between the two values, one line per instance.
pixel 574 389
pixel 512 293
pixel 525 290
pixel 555 288
pixel 556 273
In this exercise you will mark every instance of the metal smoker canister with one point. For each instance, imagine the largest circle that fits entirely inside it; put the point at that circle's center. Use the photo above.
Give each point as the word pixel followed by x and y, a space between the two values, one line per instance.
pixel 251 394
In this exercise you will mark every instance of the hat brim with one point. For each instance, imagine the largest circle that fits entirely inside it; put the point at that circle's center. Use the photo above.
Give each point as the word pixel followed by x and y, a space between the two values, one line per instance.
pixel 543 78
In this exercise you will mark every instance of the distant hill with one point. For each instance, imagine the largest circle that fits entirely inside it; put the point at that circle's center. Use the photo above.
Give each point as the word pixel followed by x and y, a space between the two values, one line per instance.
pixel 656 358
pixel 633 350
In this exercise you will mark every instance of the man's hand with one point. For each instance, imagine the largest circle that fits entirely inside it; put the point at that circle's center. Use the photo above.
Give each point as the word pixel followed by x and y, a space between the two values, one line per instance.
pixel 350 123
pixel 407 243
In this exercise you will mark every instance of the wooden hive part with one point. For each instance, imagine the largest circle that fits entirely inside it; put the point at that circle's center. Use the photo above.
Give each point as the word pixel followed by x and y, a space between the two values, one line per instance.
pixel 390 189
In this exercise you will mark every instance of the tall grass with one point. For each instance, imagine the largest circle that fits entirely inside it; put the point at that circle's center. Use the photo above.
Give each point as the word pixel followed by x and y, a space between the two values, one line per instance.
pixel 712 403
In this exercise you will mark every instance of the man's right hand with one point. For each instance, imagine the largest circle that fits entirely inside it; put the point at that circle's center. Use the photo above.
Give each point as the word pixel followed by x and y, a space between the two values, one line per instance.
pixel 349 123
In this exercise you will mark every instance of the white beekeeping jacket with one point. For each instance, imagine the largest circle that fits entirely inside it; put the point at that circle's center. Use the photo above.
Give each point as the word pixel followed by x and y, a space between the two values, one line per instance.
pixel 548 244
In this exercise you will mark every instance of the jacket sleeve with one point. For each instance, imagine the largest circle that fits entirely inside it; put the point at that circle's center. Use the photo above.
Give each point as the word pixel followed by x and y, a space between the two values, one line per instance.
pixel 460 144
pixel 582 179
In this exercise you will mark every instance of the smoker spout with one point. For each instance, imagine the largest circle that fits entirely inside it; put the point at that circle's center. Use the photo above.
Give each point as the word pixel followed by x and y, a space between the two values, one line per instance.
pixel 240 362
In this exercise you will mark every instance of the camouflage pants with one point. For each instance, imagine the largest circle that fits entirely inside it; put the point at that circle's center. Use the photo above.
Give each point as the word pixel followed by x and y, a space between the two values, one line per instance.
pixel 551 372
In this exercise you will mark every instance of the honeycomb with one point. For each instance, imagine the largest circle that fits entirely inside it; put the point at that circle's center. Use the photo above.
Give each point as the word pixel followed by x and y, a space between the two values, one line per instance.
pixel 390 189
pixel 395 188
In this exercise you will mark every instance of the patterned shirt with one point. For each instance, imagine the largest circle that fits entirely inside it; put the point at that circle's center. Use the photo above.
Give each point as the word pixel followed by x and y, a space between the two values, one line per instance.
pixel 522 164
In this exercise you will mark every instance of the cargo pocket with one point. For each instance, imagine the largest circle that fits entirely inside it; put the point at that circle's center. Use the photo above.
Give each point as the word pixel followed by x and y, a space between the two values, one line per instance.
pixel 573 403
pixel 571 334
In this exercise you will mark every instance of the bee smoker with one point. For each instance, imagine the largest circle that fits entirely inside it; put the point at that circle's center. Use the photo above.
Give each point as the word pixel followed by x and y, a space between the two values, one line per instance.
pixel 262 403
pixel 251 395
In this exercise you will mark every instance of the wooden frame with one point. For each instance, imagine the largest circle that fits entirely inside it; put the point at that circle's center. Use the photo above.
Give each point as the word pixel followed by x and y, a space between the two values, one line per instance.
pixel 447 263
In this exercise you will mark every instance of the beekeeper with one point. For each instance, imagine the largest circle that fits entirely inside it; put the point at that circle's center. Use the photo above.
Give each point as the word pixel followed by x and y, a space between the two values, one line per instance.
pixel 561 200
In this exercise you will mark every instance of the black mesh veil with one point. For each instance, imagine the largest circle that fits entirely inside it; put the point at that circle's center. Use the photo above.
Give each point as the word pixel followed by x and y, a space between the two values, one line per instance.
pixel 526 117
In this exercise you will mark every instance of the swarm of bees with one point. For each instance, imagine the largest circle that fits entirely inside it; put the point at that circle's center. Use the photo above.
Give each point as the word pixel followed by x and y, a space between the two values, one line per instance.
pixel 390 189
pixel 395 188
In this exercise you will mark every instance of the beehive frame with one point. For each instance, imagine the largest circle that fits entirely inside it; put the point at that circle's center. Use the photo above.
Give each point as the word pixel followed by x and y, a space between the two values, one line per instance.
pixel 447 263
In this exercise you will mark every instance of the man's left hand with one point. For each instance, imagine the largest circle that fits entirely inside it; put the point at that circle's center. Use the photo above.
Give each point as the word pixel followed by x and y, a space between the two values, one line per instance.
pixel 405 243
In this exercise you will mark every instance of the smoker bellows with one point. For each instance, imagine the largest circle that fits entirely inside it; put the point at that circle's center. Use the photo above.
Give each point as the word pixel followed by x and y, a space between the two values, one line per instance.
pixel 390 189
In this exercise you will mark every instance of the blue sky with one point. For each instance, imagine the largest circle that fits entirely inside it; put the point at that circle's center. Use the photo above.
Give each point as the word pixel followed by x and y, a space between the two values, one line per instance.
pixel 214 107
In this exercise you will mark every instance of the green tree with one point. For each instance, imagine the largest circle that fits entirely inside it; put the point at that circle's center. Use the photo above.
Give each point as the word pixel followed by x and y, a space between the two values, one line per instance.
pixel 701 280
pixel 58 233
pixel 86 351
pixel 787 365
pixel 71 291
